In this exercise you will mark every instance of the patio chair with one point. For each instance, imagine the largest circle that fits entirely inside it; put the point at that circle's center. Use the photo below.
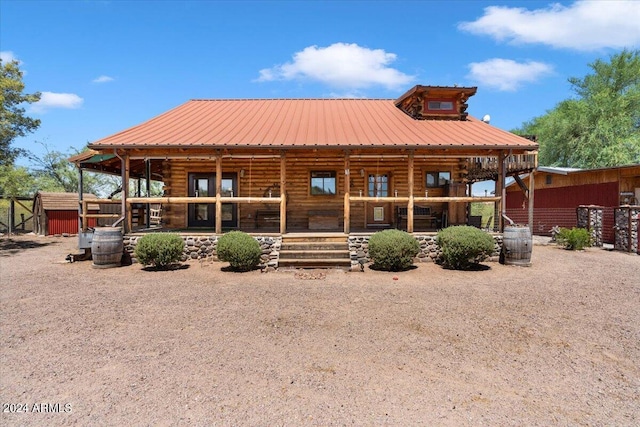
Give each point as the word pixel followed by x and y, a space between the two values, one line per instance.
pixel 155 215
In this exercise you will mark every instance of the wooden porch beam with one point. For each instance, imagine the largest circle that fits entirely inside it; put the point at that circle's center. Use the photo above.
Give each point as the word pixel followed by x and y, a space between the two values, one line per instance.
pixel 283 193
pixel 218 195
pixel 531 195
pixel 128 222
pixel 347 190
pixel 522 185
pixel 410 202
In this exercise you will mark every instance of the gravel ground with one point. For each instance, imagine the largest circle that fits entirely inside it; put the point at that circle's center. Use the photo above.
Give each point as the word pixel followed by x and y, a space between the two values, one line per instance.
pixel 557 343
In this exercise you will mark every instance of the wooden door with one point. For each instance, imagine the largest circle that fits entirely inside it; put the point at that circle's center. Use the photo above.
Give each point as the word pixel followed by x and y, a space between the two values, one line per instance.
pixel 379 213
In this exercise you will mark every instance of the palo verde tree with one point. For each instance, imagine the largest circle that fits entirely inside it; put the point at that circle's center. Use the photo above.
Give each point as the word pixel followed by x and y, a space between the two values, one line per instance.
pixel 601 126
pixel 13 121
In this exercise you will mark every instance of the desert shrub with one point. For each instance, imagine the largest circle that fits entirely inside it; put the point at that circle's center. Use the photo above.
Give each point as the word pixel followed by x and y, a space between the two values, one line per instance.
pixel 240 250
pixel 159 249
pixel 393 250
pixel 574 239
pixel 463 246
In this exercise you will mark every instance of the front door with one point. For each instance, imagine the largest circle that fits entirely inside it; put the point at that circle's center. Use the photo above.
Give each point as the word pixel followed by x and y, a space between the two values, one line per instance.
pixel 204 214
pixel 379 213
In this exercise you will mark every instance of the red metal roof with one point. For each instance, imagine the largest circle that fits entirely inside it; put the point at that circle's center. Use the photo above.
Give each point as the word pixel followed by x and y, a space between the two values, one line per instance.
pixel 298 123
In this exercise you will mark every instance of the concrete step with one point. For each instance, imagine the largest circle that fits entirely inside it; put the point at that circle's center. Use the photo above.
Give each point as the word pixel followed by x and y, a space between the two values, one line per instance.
pixel 305 254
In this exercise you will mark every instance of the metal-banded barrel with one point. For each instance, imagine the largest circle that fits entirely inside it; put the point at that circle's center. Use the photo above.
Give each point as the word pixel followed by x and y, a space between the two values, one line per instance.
pixel 107 247
pixel 516 245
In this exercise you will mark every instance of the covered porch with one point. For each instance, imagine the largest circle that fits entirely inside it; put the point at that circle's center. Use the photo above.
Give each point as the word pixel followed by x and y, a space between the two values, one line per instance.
pixel 288 191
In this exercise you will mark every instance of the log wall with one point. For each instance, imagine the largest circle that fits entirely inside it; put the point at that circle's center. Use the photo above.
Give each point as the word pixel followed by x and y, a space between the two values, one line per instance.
pixel 258 176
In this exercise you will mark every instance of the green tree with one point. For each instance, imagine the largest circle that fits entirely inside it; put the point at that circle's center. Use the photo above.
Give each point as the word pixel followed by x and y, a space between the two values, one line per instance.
pixel 599 128
pixel 53 172
pixel 13 121
pixel 16 181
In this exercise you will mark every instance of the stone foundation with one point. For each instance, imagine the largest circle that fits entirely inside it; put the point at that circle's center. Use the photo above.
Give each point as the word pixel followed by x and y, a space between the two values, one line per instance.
pixel 202 247
pixel 429 250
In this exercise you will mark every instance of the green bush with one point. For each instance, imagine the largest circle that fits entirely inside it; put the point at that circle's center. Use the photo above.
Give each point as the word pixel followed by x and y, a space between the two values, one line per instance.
pixel 159 249
pixel 393 250
pixel 239 249
pixel 574 239
pixel 463 246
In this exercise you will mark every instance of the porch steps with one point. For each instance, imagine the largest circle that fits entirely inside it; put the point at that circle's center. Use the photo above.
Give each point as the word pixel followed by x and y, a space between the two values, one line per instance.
pixel 314 251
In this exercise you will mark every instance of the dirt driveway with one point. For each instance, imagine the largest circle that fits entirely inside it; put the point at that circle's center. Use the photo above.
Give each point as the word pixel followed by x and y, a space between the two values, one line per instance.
pixel 557 343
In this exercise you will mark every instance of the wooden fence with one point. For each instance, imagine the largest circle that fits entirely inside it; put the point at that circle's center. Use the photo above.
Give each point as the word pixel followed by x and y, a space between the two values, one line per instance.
pixel 15 215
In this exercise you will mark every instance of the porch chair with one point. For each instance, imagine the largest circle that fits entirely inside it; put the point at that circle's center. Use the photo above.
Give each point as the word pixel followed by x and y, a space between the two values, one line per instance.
pixel 155 215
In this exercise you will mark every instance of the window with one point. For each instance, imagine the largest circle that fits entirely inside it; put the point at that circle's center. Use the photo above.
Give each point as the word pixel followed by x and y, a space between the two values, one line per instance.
pixel 440 105
pixel 378 185
pixel 548 179
pixel 323 183
pixel 438 179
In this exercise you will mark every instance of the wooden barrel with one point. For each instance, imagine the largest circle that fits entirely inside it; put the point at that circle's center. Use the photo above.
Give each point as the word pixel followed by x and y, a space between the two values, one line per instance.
pixel 107 247
pixel 516 246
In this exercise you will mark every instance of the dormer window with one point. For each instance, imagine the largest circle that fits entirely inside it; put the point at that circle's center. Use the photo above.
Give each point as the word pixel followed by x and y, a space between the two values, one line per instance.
pixel 440 105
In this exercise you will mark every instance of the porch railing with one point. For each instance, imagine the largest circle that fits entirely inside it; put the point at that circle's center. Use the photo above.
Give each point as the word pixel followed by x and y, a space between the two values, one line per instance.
pixel 404 201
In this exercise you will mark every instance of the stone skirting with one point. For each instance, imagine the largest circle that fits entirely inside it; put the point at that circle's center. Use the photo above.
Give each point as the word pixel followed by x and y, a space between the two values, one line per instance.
pixel 202 247
pixel 429 250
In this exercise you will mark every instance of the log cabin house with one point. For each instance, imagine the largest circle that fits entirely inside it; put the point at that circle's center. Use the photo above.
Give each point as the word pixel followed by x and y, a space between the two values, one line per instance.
pixel 314 165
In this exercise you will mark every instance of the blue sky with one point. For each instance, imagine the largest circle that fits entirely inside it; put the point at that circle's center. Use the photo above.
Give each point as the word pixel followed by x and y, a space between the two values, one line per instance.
pixel 103 66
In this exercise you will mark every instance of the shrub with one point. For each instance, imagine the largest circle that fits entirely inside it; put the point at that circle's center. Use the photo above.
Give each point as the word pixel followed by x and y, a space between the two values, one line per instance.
pixel 239 249
pixel 159 249
pixel 393 250
pixel 574 239
pixel 463 246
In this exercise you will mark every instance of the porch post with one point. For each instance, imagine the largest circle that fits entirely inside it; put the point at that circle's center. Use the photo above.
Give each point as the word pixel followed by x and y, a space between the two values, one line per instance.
pixel 283 193
pixel 147 172
pixel 531 194
pixel 410 204
pixel 80 191
pixel 347 190
pixel 218 194
pixel 128 221
pixel 500 189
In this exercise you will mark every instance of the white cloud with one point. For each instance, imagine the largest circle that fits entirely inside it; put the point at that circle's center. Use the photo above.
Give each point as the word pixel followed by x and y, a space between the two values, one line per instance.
pixel 102 79
pixel 340 65
pixel 50 100
pixel 584 25
pixel 506 74
pixel 8 56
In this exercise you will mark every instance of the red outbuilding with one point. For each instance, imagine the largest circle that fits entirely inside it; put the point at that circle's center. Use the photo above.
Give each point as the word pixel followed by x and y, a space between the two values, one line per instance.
pixel 57 213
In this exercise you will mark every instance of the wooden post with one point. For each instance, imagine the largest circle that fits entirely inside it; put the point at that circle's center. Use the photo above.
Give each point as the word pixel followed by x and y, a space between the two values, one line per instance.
pixel 531 194
pixel 12 209
pixel 128 223
pixel 147 173
pixel 283 193
pixel 347 190
pixel 410 204
pixel 80 191
pixel 218 194
pixel 501 190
